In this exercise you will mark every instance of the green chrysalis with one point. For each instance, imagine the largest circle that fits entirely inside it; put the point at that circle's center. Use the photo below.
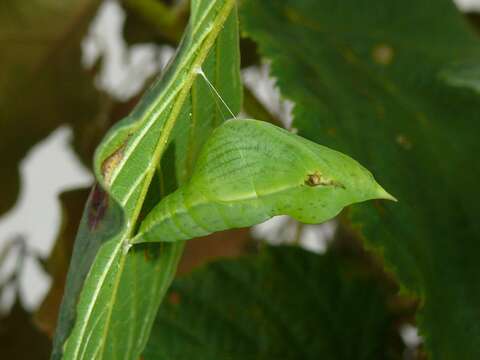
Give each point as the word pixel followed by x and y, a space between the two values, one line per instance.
pixel 249 171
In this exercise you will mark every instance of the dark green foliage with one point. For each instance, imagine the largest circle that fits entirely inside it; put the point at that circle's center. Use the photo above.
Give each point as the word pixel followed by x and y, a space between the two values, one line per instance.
pixel 284 303
pixel 368 79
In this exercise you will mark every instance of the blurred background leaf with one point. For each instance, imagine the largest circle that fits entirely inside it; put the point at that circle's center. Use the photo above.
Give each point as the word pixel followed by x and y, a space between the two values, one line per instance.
pixel 20 338
pixel 155 21
pixel 42 82
pixel 284 303
pixel 365 80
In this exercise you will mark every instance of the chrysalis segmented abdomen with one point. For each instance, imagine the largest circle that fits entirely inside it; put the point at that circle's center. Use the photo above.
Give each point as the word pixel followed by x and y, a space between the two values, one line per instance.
pixel 173 222
pixel 177 218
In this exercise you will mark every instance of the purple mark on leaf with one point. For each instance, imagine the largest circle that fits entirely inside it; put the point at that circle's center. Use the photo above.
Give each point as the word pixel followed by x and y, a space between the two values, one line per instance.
pixel 97 207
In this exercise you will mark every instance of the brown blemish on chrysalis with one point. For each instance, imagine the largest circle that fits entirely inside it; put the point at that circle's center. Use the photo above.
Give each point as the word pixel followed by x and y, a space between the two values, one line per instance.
pixel 98 205
pixel 313 179
pixel 383 54
pixel 316 179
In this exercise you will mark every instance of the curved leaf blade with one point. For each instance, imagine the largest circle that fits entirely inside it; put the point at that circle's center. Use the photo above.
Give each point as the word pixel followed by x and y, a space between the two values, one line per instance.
pixel 113 283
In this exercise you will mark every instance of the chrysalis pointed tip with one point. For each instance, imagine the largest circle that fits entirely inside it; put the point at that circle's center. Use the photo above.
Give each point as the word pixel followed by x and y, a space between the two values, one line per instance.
pixel 383 194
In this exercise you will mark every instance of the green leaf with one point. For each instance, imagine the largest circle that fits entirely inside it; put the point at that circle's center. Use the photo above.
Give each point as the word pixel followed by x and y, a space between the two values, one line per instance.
pixel 113 291
pixel 250 171
pixel 42 82
pixel 284 303
pixel 464 74
pixel 72 203
pixel 365 78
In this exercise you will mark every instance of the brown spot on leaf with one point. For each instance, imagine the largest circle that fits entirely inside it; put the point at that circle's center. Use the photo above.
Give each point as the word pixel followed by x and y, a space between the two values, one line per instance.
pixel 97 207
pixel 403 141
pixel 383 54
pixel 111 162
